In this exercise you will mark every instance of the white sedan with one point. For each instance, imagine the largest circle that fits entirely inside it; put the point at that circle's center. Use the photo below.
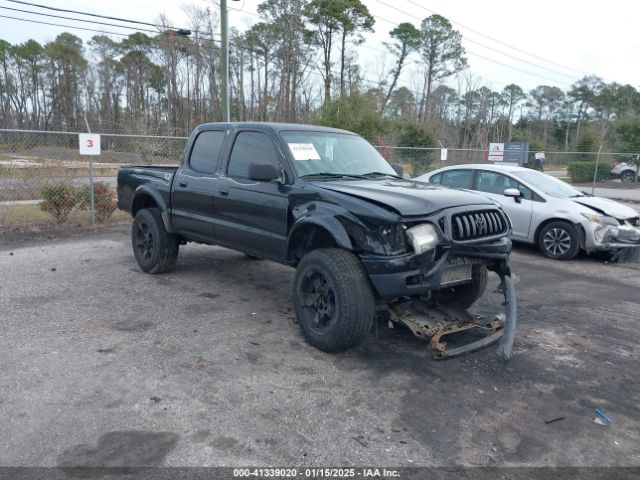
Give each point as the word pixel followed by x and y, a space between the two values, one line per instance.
pixel 546 211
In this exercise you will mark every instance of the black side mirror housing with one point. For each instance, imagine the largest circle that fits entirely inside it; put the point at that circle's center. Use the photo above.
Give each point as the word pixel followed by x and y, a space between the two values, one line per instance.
pixel 263 172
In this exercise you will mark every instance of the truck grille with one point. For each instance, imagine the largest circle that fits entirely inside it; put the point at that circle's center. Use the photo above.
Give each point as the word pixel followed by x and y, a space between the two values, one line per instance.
pixel 478 224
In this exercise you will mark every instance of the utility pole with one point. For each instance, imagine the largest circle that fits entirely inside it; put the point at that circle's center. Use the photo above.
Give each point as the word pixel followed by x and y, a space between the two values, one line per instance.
pixel 224 64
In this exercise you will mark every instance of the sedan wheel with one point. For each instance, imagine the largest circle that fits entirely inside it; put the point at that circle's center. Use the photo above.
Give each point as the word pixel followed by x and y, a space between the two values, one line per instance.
pixel 559 240
pixel 627 176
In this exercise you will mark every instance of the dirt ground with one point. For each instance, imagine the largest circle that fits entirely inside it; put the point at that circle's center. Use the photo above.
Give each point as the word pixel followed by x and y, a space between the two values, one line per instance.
pixel 105 365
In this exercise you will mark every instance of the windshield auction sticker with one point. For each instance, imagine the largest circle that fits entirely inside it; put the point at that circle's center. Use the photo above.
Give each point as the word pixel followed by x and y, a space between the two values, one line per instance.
pixel 304 151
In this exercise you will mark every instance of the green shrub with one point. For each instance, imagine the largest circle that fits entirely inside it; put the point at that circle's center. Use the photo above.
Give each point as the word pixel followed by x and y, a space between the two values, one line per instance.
pixel 104 201
pixel 59 199
pixel 584 171
pixel 416 136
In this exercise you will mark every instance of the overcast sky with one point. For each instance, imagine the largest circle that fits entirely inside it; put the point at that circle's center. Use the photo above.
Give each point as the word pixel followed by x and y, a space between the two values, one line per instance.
pixel 567 39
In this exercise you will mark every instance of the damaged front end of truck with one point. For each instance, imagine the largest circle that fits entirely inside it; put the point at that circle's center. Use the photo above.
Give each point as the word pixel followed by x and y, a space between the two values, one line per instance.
pixel 443 271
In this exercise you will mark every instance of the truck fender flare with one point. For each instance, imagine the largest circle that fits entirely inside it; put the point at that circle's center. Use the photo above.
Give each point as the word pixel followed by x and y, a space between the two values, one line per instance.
pixel 330 224
pixel 145 190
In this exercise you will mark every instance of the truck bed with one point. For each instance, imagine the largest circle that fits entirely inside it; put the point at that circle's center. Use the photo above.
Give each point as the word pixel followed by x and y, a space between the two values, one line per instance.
pixel 130 178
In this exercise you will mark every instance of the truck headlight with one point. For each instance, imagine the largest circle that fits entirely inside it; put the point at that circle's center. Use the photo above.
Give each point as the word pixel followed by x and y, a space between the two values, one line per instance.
pixel 601 219
pixel 423 237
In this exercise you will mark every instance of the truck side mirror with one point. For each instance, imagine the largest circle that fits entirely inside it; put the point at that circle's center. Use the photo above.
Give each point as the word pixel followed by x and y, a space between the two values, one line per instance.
pixel 263 172
pixel 398 169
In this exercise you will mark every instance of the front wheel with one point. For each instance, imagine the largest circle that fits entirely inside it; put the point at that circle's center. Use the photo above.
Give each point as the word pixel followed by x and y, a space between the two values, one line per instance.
pixel 333 300
pixel 155 249
pixel 559 241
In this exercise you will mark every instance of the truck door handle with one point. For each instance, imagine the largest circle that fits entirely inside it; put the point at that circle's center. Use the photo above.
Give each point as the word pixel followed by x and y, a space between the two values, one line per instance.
pixel 224 192
pixel 182 184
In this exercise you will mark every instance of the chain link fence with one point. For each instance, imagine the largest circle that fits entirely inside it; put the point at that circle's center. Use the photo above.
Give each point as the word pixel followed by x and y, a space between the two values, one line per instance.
pixel 44 180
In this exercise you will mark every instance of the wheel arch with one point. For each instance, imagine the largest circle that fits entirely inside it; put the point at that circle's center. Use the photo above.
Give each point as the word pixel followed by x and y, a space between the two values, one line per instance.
pixel 579 228
pixel 314 233
pixel 541 225
pixel 146 197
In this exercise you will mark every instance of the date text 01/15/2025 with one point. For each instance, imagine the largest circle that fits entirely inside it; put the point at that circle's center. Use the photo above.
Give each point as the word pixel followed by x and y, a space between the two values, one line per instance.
pixel 330 473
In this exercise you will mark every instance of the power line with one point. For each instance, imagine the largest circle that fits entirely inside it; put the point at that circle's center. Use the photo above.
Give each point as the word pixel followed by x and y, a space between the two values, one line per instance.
pixel 95 22
pixel 364 79
pixel 64 26
pixel 309 64
pixel 514 68
pixel 500 41
pixel 492 49
pixel 86 13
pixel 397 25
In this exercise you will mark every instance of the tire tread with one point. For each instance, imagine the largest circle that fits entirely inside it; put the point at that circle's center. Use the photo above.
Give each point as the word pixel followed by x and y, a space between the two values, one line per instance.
pixel 356 305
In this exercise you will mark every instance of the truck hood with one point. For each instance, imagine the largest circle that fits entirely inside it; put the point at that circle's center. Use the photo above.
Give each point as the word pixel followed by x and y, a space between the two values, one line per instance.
pixel 607 207
pixel 407 197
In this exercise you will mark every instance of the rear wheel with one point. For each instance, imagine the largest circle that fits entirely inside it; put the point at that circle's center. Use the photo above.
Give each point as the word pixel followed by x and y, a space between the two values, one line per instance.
pixel 155 249
pixel 464 295
pixel 333 299
pixel 627 176
pixel 559 241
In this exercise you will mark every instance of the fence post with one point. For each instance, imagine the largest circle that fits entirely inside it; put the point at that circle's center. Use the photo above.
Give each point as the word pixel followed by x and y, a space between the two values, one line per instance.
pixel 91 201
pixel 595 172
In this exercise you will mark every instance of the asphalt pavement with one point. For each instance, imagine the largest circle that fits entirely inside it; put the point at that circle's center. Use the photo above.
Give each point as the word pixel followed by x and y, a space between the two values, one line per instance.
pixel 105 365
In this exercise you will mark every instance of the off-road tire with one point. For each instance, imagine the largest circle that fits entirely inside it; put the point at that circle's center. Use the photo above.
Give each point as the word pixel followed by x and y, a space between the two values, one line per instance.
pixel 564 251
pixel 465 295
pixel 160 253
pixel 352 295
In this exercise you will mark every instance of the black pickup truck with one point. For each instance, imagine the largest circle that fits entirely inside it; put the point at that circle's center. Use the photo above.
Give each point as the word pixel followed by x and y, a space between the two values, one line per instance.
pixel 363 239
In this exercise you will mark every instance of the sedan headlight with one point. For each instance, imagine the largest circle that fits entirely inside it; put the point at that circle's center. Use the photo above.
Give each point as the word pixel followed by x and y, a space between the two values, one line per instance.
pixel 423 237
pixel 601 219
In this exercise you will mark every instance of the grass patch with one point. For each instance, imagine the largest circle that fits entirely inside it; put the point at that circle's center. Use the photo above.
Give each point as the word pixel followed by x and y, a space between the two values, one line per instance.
pixel 12 216
pixel 56 171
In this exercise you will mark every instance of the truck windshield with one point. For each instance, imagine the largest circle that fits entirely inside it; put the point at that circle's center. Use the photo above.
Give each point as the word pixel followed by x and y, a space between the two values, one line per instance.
pixel 334 154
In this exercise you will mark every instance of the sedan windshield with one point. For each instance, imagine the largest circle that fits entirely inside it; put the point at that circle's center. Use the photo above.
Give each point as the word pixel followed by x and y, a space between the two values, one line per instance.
pixel 548 184
pixel 328 154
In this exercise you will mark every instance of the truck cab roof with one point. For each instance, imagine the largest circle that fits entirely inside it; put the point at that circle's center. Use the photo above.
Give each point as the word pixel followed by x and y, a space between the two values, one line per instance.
pixel 275 126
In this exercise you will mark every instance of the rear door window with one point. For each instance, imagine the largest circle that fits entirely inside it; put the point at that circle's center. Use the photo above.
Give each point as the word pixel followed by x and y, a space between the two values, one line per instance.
pixel 494 182
pixel 497 183
pixel 206 151
pixel 457 179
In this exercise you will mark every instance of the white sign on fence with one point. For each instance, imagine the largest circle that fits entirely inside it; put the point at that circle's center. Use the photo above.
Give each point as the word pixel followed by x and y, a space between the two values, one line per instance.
pixel 89 143
pixel 496 152
pixel 443 154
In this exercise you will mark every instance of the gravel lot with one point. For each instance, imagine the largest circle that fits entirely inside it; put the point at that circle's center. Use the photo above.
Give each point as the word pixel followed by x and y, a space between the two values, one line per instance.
pixel 104 365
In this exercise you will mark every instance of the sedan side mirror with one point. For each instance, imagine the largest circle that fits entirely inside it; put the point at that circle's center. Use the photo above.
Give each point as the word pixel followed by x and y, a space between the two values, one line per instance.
pixel 513 192
pixel 263 172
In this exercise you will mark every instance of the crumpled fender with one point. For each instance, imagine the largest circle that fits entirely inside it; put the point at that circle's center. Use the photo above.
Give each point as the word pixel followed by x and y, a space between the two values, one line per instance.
pixel 325 216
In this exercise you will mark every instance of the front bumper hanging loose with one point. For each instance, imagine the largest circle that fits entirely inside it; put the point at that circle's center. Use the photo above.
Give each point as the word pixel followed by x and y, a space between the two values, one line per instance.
pixel 432 322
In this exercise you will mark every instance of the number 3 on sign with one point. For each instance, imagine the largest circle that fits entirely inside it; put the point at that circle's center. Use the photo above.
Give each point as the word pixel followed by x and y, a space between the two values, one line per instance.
pixel 89 144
